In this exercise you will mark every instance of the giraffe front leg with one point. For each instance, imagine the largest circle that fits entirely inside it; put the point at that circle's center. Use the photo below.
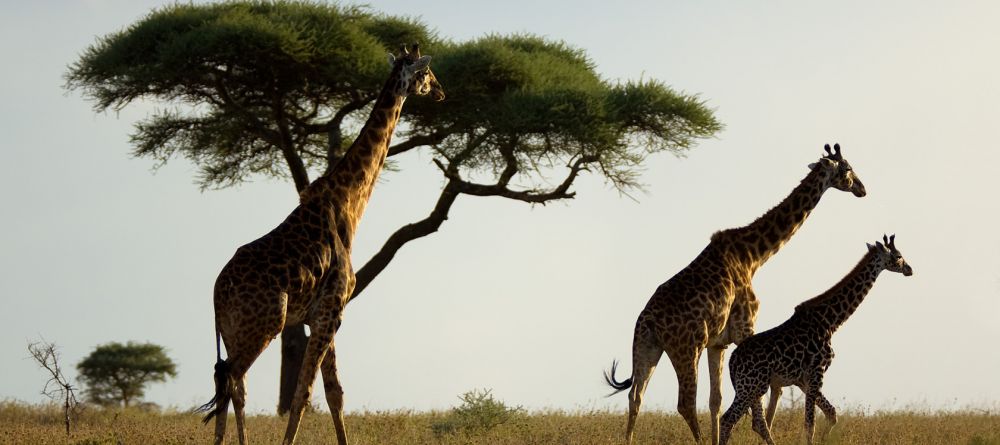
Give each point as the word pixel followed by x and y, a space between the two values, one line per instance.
pixel 715 359
pixel 316 348
pixel 812 394
pixel 334 392
pixel 828 410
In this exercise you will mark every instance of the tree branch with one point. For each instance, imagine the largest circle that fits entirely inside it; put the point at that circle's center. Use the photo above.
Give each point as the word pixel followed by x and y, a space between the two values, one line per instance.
pixel 457 186
pixel 227 102
pixel 295 165
pixel 500 188
pixel 507 152
pixel 47 357
pixel 333 127
pixel 405 234
pixel 417 141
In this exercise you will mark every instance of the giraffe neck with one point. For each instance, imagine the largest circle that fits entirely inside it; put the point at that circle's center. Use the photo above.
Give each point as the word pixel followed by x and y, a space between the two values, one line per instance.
pixel 832 308
pixel 348 184
pixel 765 236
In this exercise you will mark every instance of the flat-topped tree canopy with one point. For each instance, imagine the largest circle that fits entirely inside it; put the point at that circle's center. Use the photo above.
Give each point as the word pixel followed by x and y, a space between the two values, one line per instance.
pixel 264 82
pixel 542 101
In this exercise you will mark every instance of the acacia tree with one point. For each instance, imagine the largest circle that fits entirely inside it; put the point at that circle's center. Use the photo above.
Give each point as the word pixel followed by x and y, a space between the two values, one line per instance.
pixel 271 88
pixel 115 373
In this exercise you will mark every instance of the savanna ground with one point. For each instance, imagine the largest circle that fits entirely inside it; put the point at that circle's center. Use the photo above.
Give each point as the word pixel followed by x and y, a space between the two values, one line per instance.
pixel 34 424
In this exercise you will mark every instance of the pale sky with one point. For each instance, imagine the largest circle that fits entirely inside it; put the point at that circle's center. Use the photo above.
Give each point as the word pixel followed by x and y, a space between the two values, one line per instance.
pixel 536 302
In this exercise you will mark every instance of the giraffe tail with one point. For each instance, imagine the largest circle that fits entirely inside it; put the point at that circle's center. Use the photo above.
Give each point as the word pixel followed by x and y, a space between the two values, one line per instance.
pixel 223 390
pixel 609 378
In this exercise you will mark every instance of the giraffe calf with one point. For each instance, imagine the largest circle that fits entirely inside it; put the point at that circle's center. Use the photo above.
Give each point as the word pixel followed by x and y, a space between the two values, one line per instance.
pixel 798 351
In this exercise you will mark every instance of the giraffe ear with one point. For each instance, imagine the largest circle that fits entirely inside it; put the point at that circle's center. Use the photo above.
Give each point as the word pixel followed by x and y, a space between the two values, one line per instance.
pixel 421 63
pixel 392 60
pixel 877 246
pixel 825 161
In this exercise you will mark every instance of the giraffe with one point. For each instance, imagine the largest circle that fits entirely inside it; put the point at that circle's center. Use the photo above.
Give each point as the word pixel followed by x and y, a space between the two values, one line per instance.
pixel 798 351
pixel 710 303
pixel 300 272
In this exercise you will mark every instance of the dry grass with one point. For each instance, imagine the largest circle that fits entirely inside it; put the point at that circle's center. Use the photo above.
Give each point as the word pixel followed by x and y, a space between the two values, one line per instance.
pixel 32 424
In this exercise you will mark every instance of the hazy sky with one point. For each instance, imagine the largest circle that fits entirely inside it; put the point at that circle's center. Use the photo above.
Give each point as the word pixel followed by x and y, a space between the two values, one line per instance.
pixel 536 302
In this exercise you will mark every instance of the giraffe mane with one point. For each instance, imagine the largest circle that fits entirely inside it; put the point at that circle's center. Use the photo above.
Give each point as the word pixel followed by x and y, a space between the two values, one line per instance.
pixel 823 297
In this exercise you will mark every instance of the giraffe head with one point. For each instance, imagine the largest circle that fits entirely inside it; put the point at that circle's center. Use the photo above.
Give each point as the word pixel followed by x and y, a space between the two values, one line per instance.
pixel 889 257
pixel 839 172
pixel 415 76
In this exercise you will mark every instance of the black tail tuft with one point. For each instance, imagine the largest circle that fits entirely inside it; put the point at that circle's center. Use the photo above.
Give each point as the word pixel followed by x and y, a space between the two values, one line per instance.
pixel 609 377
pixel 220 401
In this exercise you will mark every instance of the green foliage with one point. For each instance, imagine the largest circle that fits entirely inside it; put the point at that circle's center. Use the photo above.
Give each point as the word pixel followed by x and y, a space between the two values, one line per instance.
pixel 237 66
pixel 286 46
pixel 257 85
pixel 118 374
pixel 479 412
pixel 543 101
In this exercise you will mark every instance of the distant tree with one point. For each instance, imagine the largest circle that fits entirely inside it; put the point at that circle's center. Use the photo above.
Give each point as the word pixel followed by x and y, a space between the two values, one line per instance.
pixel 118 374
pixel 57 387
pixel 272 88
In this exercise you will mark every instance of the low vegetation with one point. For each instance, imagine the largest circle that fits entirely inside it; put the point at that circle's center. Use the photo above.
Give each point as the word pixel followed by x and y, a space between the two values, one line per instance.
pixel 22 423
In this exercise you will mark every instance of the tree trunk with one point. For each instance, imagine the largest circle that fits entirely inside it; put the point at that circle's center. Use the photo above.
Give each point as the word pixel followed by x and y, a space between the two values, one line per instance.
pixel 293 351
pixel 66 408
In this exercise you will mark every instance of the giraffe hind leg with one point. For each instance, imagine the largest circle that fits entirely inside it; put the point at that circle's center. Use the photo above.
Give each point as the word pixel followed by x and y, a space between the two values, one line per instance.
pixel 218 407
pixel 320 342
pixel 686 366
pixel 772 404
pixel 732 416
pixel 759 423
pixel 239 402
pixel 334 392
pixel 240 365
pixel 220 422
pixel 246 338
pixel 645 357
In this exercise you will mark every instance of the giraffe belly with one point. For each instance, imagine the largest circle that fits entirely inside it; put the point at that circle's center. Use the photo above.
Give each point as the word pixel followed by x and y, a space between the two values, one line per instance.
pixel 298 308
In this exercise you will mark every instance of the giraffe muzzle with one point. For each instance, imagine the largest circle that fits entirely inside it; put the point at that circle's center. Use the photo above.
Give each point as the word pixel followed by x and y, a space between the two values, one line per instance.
pixel 859 190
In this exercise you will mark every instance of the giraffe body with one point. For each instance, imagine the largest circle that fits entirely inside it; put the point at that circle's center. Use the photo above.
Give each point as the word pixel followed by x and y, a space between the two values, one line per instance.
pixel 710 303
pixel 798 351
pixel 300 272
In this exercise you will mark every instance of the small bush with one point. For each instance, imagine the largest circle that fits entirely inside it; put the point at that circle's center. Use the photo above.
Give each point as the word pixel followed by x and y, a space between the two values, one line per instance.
pixel 479 412
pixel 978 440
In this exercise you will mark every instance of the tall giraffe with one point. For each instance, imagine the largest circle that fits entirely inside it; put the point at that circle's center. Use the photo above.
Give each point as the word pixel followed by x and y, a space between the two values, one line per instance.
pixel 798 351
pixel 711 303
pixel 300 272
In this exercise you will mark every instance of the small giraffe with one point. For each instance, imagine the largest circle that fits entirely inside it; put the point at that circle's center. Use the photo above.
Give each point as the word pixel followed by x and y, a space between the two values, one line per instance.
pixel 711 303
pixel 300 272
pixel 798 351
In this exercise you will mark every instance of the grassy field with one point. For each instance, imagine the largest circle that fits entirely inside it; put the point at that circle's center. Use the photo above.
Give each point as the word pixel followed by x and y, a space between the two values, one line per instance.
pixel 31 424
